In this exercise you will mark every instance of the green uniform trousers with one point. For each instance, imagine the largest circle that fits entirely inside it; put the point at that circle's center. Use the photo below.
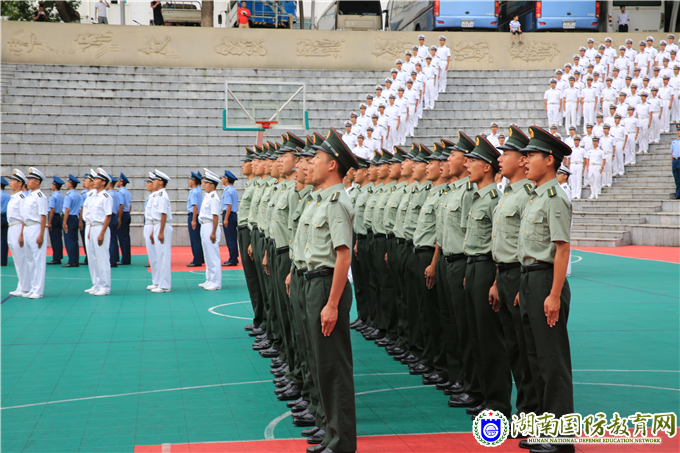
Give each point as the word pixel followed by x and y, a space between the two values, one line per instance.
pixel 385 284
pixel 274 323
pixel 252 282
pixel 547 347
pixel 398 266
pixel 511 318
pixel 373 288
pixel 395 294
pixel 488 343
pixel 334 366
pixel 455 272
pixel 449 335
pixel 416 344
pixel 360 276
pixel 280 271
pixel 257 244
pixel 428 303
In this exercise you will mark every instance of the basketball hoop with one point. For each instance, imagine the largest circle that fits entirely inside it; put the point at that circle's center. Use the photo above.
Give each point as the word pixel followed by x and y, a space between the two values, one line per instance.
pixel 264 125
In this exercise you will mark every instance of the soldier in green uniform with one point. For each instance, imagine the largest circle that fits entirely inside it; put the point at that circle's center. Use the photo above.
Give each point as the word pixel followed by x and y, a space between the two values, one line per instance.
pixel 465 391
pixel 506 219
pixel 328 294
pixel 544 294
pixel 359 255
pixel 244 239
pixel 424 269
pixel 486 332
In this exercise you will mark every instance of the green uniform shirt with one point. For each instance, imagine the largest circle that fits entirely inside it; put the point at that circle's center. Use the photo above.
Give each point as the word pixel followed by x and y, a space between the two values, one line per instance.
pixel 479 218
pixel 380 205
pixel 402 208
pixel 329 227
pixel 370 204
pixel 360 208
pixel 456 202
pixel 547 219
pixel 392 206
pixel 425 234
pixel 246 199
pixel 354 192
pixel 506 219
pixel 279 227
pixel 440 211
pixel 414 207
pixel 264 215
pixel 302 233
pixel 261 185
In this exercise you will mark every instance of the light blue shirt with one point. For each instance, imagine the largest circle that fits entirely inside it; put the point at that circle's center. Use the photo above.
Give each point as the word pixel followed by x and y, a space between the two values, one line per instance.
pixel 514 25
pixel 126 198
pixel 117 201
pixel 56 202
pixel 73 202
pixel 230 197
pixel 195 199
pixel 83 196
pixel 675 148
pixel 4 199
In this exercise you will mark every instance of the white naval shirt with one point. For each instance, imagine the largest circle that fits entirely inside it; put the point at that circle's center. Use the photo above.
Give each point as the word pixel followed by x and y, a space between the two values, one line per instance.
pixel 147 209
pixel 643 111
pixel 211 206
pixel 589 94
pixel 552 96
pixel 571 94
pixel 350 140
pixel 577 155
pixel 363 151
pixel 35 206
pixel 161 205
pixel 101 207
pixel 607 144
pixel 642 62
pixel 655 104
pixel 630 123
pixel 595 157
pixel 15 207
pixel 618 132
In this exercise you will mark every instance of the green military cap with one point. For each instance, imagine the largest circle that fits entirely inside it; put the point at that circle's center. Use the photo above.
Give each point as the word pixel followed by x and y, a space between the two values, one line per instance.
pixel 465 143
pixel 292 142
pixel 485 151
pixel 399 155
pixel 386 156
pixel 258 152
pixel 250 155
pixel 272 152
pixel 440 151
pixel 307 151
pixel 336 147
pixel 363 163
pixel 425 154
pixel 545 142
pixel 318 140
pixel 516 140
pixel 413 153
pixel 376 158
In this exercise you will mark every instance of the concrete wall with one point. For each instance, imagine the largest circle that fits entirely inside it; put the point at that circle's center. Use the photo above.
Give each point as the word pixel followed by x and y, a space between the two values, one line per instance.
pixel 103 45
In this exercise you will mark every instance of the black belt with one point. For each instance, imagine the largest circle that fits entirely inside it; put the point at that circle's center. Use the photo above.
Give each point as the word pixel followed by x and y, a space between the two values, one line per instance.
pixel 282 250
pixel 321 272
pixel 454 258
pixel 409 242
pixel 361 236
pixel 255 228
pixel 389 235
pixel 271 241
pixel 241 227
pixel 369 231
pixel 262 235
pixel 476 259
pixel 401 241
pixel 300 272
pixel 507 266
pixel 535 267
pixel 423 249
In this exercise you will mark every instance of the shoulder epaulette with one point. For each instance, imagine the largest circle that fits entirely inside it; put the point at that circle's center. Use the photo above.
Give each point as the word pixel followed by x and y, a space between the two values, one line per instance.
pixel 527 187
pixel 441 192
pixel 552 192
pixel 40 194
pixel 21 195
pixel 429 186
pixel 335 197
pixel 494 194
pixel 392 189
pixel 414 190
pixel 469 185
pixel 106 195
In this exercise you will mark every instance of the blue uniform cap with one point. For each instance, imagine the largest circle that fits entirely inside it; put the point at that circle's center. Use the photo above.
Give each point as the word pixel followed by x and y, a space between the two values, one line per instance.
pixel 3 181
pixel 73 179
pixel 196 176
pixel 229 175
pixel 114 179
pixel 57 180
pixel 124 178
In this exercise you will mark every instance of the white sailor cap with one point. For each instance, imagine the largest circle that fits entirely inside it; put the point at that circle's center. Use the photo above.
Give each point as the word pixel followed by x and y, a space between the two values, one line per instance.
pixel 92 174
pixel 212 177
pixel 162 176
pixel 650 38
pixel 421 37
pixel 607 39
pixel 101 174
pixel 442 38
pixel 35 173
pixel 564 170
pixel 19 176
pixel 591 40
pixel 150 177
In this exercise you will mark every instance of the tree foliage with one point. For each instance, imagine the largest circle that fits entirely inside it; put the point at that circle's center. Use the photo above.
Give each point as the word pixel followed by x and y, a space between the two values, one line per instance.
pixel 25 10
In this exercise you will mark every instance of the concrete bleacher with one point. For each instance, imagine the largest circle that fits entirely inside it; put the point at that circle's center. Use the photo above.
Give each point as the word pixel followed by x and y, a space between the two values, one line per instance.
pixel 68 119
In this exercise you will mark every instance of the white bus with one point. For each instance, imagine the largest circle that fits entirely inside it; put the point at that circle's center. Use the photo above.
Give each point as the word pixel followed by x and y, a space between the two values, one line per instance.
pixel 645 15
pixel 351 15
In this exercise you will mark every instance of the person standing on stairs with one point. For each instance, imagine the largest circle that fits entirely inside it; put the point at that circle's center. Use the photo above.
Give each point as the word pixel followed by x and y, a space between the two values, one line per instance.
pixel 675 161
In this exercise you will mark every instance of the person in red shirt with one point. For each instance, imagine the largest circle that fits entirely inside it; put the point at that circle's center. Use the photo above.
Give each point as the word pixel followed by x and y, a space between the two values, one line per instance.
pixel 243 15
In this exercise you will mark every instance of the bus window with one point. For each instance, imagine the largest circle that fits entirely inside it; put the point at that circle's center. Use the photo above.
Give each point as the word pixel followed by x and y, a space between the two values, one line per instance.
pixel 349 15
pixel 450 15
pixel 645 16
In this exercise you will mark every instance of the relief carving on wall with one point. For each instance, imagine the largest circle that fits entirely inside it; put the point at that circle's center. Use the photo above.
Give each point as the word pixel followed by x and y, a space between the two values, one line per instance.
pixel 100 42
pixel 464 50
pixel 318 47
pixel 25 41
pixel 535 51
pixel 153 47
pixel 387 48
pixel 240 47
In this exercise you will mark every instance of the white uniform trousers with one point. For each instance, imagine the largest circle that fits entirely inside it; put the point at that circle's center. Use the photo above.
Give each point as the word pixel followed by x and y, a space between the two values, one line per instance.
pixel 420 106
pixel 554 114
pixel 579 113
pixel 151 253
pixel 432 94
pixel 588 114
pixel 211 252
pixel 442 80
pixel 412 120
pixel 19 258
pixel 605 108
pixel 392 139
pixel 163 255
pixel 595 180
pixel 643 135
pixel 675 110
pixel 571 119
pixel 403 129
pixel 99 257
pixel 654 133
pixel 36 259
pixel 88 248
pixel 576 179
pixel 665 121
pixel 607 172
pixel 617 164
pixel 629 150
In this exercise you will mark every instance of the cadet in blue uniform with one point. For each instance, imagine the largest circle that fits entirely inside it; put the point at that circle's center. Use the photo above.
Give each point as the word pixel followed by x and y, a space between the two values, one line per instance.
pixel 54 220
pixel 193 206
pixel 71 213
pixel 87 183
pixel 124 220
pixel 4 200
pixel 229 217
pixel 116 213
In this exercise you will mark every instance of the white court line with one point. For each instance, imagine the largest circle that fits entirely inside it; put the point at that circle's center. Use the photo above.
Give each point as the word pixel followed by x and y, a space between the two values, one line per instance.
pixel 627 385
pixel 579 259
pixel 629 257
pixel 269 430
pixel 212 310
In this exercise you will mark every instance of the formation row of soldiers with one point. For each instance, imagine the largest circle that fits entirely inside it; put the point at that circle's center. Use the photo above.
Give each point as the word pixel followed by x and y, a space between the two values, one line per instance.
pixel 461 282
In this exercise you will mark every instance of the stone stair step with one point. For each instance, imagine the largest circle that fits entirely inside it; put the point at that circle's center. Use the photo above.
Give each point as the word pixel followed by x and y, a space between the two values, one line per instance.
pixel 598 242
pixel 589 233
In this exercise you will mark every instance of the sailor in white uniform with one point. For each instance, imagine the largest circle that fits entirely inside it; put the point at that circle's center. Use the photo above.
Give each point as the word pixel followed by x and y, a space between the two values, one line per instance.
pixel 35 218
pixel 161 214
pixel 148 230
pixel 100 207
pixel 15 220
pixel 562 175
pixel 209 216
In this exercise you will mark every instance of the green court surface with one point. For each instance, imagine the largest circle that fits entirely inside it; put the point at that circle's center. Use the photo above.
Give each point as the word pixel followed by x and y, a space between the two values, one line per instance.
pixel 93 374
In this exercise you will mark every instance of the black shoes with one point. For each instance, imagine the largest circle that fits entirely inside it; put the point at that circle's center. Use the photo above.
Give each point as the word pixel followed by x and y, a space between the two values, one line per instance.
pixel 249 327
pixel 70 265
pixel 475 410
pixel 410 359
pixel 310 431
pixel 194 265
pixel 421 369
pixel 463 400
pixel 317 437
pixel 114 264
pixel 377 335
pixel 306 419
pixel 120 263
pixel 433 380
pixel 300 406
pixel 54 262
pixel 229 264
pixel 455 389
pixel 256 331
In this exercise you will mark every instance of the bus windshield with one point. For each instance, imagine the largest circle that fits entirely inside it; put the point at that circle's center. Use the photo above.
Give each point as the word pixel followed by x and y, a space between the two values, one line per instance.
pixel 634 3
pixel 349 8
